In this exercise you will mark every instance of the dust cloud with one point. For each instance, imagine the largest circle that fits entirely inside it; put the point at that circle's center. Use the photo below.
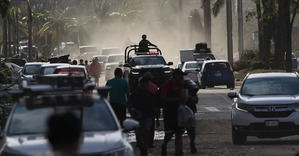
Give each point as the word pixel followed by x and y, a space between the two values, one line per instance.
pixel 165 24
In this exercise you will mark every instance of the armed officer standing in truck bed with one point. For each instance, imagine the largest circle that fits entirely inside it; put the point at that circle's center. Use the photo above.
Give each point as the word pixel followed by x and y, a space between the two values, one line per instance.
pixel 144 43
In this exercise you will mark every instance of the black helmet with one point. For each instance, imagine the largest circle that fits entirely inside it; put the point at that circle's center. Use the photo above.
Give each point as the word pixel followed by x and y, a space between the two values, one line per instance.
pixel 143 36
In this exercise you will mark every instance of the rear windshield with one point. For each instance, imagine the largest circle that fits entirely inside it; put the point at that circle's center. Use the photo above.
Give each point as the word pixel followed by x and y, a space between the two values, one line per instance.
pixel 47 70
pixel 31 69
pixel 154 60
pixel 88 49
pixel 115 58
pixel 196 65
pixel 271 86
pixel 217 66
pixel 95 118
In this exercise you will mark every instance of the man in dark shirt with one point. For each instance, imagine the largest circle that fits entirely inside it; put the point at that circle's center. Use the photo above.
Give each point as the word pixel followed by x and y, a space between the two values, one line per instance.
pixel 144 43
pixel 142 109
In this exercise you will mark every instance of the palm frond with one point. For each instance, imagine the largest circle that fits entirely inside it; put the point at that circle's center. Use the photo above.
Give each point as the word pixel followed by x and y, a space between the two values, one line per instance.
pixel 217 7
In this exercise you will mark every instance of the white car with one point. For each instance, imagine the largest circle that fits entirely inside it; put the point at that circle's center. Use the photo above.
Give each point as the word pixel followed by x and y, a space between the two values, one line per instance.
pixel 192 68
pixel 114 61
pixel 87 52
pixel 267 106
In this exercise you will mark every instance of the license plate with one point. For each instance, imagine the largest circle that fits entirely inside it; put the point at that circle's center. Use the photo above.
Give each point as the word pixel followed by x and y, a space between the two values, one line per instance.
pixel 271 123
pixel 218 74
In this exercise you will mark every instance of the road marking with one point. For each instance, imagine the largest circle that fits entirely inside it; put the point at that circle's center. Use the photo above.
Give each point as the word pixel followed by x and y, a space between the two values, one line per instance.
pixel 212 109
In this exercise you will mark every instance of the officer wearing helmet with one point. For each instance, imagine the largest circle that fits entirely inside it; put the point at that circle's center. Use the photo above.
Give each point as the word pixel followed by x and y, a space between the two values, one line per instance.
pixel 144 43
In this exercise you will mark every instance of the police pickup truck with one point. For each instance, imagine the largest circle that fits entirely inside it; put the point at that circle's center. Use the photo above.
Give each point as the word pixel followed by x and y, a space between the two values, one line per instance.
pixel 138 63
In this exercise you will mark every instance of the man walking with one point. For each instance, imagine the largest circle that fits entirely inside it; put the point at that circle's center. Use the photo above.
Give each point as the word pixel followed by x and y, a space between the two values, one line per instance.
pixel 118 94
pixel 141 104
pixel 94 70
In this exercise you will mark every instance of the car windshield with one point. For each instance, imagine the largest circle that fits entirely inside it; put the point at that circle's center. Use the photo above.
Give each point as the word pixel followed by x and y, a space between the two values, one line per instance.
pixel 88 49
pixel 47 70
pixel 271 86
pixel 115 58
pixel 31 69
pixel 196 65
pixel 73 71
pixel 95 118
pixel 149 60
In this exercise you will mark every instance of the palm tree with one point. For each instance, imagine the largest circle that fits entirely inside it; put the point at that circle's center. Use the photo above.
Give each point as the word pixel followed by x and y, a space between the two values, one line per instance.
pixel 4 5
pixel 217 5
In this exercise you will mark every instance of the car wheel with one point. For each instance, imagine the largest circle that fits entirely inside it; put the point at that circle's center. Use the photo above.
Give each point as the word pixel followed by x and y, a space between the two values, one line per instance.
pixel 238 139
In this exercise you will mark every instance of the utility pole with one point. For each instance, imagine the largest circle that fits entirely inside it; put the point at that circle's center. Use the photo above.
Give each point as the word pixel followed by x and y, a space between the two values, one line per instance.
pixel 229 32
pixel 240 29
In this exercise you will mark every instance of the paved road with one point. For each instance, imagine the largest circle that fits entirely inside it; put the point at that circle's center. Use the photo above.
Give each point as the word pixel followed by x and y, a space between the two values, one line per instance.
pixel 214 132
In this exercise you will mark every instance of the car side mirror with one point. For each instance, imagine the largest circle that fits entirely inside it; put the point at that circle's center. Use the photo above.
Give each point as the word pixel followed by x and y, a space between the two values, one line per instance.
pixel 127 65
pixel 170 63
pixel 130 124
pixel 232 95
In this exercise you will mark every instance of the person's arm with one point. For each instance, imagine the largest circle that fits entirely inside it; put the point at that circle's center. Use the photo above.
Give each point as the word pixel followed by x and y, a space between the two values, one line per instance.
pixel 149 43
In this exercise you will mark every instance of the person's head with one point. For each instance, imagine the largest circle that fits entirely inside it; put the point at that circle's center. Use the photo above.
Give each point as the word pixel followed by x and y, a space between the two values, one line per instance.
pixel 74 62
pixel 81 61
pixel 118 73
pixel 95 60
pixel 64 132
pixel 86 62
pixel 144 36
pixel 143 83
pixel 178 76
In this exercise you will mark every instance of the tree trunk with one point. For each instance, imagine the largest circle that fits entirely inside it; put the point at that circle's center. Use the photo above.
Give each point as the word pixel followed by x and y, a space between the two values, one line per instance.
pixel 207 21
pixel 9 36
pixel 268 29
pixel 260 21
pixel 286 30
pixel 4 30
pixel 29 22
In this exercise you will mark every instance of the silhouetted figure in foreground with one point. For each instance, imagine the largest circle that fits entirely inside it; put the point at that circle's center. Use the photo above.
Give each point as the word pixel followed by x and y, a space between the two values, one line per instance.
pixel 144 43
pixel 64 134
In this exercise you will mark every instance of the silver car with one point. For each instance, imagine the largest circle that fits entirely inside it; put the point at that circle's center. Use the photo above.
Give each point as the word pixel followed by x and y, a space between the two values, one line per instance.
pixel 102 134
pixel 267 106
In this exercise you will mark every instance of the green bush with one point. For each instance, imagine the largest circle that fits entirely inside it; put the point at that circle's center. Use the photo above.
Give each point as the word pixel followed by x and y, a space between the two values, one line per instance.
pixel 5 73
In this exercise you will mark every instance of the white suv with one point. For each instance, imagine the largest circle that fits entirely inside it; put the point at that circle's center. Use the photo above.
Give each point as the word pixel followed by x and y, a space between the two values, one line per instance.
pixel 267 106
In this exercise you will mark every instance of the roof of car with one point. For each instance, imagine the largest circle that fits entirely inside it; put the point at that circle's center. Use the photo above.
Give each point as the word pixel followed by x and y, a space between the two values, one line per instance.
pixel 71 66
pixel 193 62
pixel 36 63
pixel 115 55
pixel 215 61
pixel 147 56
pixel 100 56
pixel 269 75
pixel 54 64
pixel 87 46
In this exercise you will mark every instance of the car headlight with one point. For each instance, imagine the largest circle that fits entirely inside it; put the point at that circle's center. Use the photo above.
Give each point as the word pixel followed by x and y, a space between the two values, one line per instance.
pixel 167 71
pixel 135 72
pixel 243 107
pixel 296 107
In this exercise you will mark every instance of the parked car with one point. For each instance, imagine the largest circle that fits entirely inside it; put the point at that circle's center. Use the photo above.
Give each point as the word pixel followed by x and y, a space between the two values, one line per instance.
pixel 114 61
pixel 266 107
pixel 192 68
pixel 87 52
pixel 50 68
pixel 216 72
pixel 24 133
pixel 30 71
pixel 75 70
